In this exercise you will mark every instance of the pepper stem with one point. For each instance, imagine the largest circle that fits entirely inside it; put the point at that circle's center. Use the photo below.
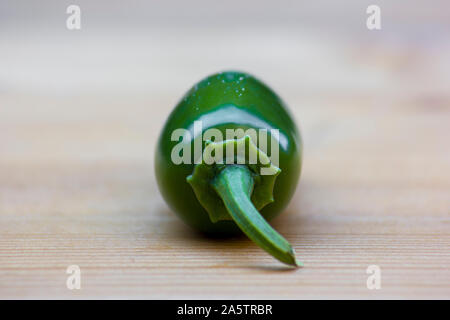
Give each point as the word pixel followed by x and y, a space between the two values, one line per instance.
pixel 234 185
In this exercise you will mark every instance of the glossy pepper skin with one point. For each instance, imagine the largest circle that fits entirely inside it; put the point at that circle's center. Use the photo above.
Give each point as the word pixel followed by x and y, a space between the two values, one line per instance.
pixel 227 100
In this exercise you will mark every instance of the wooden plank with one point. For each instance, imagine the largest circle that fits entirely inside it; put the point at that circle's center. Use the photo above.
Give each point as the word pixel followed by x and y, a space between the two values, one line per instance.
pixel 77 187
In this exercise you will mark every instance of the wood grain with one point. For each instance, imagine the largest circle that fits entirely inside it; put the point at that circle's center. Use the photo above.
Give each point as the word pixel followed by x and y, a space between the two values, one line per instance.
pixel 77 183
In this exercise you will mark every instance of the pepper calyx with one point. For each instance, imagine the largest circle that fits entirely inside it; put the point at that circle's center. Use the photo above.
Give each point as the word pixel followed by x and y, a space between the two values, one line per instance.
pixel 217 156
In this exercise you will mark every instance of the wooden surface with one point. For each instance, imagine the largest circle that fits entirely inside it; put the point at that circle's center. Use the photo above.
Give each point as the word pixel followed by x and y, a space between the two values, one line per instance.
pixel 77 132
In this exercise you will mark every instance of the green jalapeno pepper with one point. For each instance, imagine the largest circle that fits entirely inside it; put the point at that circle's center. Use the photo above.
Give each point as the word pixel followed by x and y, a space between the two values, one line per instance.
pixel 228 159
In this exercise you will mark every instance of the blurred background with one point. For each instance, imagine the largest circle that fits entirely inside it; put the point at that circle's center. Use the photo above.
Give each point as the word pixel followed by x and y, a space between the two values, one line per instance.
pixel 155 47
pixel 80 111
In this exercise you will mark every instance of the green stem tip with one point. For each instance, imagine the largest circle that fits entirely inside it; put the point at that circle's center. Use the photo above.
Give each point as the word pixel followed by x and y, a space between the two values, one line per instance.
pixel 234 185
